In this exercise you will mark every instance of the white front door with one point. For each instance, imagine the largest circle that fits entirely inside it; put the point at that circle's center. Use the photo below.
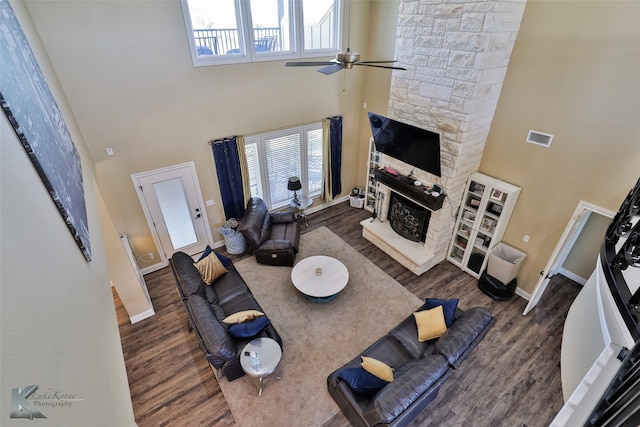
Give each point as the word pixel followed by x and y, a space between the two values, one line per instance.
pixel 172 202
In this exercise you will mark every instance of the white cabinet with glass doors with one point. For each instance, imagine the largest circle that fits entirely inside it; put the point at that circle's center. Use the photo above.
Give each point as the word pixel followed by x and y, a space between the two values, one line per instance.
pixel 486 208
pixel 373 162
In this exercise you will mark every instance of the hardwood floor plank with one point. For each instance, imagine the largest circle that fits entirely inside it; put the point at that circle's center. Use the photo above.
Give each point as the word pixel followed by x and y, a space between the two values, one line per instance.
pixel 512 379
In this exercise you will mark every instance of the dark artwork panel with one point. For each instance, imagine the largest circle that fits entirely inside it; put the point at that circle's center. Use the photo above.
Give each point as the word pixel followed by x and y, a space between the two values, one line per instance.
pixel 28 103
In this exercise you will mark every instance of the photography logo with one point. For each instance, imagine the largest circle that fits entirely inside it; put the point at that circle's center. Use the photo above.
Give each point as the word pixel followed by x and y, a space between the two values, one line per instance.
pixel 21 407
pixel 25 403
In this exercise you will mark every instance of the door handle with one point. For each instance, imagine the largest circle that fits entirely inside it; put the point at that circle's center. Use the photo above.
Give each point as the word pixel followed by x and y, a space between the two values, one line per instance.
pixel 197 216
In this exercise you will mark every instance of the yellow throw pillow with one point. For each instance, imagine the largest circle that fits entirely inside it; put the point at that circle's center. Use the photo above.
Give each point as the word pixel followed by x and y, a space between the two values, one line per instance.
pixel 377 368
pixel 210 268
pixel 430 323
pixel 242 316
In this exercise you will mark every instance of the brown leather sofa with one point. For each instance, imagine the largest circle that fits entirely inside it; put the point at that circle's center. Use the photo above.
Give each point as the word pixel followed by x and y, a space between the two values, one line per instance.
pixel 272 237
pixel 421 368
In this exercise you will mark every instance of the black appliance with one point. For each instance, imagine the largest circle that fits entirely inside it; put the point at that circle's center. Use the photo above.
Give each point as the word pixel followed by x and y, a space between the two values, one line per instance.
pixel 409 144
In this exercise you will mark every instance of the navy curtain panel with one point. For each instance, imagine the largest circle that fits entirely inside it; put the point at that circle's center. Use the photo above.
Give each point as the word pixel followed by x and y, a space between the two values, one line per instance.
pixel 335 140
pixel 225 155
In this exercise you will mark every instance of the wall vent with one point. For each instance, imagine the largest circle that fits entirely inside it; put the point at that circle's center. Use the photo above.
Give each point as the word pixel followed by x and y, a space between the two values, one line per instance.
pixel 539 138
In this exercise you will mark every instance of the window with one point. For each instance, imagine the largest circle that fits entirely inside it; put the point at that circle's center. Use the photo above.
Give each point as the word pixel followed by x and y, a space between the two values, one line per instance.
pixel 231 31
pixel 275 156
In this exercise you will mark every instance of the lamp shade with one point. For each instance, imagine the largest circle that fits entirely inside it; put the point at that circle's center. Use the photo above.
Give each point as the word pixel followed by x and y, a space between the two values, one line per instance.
pixel 294 184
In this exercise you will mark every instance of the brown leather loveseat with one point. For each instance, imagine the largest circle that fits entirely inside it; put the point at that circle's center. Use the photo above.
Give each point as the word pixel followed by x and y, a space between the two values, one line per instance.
pixel 272 237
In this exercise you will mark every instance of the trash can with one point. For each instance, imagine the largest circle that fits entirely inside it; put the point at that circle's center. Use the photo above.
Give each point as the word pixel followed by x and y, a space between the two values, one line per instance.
pixel 356 198
pixel 504 262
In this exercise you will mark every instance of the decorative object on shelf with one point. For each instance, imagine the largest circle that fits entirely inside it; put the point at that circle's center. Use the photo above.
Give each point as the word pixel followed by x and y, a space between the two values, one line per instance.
pixel 391 170
pixel 294 185
pixel 487 225
pixel 498 195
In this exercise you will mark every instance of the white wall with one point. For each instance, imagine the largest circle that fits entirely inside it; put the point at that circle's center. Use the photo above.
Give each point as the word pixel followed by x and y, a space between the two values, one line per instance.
pixel 58 321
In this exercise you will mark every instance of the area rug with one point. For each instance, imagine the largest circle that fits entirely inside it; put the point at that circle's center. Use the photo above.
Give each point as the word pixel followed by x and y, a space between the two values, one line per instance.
pixel 317 338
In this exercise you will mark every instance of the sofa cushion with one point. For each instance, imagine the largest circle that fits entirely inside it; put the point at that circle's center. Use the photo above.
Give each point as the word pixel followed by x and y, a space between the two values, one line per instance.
pixel 226 262
pixel 187 275
pixel 289 232
pixel 407 334
pixel 430 323
pixel 242 316
pixel 229 286
pixel 413 379
pixel 210 268
pixel 389 351
pixel 250 328
pixel 361 381
pixel 462 334
pixel 448 305
pixel 240 302
pixel 377 368
pixel 214 334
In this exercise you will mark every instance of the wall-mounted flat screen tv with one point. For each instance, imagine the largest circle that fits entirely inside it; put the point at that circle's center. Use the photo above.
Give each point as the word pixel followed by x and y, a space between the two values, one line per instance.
pixel 413 145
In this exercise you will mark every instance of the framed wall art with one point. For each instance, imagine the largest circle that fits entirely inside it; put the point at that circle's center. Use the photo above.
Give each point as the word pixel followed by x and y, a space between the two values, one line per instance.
pixel 27 102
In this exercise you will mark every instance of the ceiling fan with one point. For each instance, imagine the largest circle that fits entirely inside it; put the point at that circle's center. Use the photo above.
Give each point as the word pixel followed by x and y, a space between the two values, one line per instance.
pixel 344 60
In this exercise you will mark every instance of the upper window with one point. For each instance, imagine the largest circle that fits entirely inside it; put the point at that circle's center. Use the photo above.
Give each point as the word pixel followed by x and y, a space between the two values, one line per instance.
pixel 231 31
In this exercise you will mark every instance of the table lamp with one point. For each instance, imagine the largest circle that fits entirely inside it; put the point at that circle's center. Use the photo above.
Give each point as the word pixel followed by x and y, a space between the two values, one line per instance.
pixel 294 185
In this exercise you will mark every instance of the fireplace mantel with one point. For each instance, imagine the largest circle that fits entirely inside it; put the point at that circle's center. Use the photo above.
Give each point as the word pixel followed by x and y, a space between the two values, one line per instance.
pixel 404 185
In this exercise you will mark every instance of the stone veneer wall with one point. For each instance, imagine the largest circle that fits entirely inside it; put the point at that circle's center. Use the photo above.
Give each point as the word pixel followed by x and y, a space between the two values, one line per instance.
pixel 456 54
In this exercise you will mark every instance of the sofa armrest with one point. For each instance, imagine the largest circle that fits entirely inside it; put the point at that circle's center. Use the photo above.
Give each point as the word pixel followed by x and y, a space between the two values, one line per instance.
pixel 214 335
pixel 464 335
pixel 416 378
pixel 282 217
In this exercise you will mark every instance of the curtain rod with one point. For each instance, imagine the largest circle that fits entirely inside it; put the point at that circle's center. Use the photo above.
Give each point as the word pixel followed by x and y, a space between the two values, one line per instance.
pixel 218 140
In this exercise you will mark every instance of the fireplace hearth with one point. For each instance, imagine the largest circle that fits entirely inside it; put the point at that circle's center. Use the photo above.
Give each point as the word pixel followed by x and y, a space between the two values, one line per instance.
pixel 407 218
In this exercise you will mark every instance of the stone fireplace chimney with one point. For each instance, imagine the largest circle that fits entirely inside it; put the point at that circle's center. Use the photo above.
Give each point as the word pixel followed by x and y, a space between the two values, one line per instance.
pixel 456 54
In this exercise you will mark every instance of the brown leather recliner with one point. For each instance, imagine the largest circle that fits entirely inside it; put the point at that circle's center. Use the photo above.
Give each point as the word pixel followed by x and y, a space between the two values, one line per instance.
pixel 273 238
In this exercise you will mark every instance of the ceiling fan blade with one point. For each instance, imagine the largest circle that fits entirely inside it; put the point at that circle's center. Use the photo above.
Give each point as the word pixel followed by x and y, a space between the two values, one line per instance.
pixel 380 66
pixel 333 68
pixel 308 64
pixel 376 62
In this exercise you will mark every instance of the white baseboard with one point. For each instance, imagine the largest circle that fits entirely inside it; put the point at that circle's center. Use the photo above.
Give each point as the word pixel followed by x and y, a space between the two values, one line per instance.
pixel 572 276
pixel 142 316
pixel 524 294
pixel 154 267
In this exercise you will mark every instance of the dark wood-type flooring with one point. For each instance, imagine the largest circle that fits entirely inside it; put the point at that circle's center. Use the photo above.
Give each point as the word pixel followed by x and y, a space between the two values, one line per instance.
pixel 512 379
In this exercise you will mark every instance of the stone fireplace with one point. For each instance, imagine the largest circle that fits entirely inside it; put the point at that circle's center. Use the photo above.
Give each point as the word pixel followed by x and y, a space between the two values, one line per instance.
pixel 456 55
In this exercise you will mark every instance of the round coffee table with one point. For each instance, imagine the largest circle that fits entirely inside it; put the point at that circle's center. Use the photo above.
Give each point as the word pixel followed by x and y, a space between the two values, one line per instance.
pixel 260 357
pixel 320 278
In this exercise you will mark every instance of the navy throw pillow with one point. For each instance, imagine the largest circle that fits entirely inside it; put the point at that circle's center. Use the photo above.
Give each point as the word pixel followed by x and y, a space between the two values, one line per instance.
pixel 226 262
pixel 448 307
pixel 362 381
pixel 249 328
